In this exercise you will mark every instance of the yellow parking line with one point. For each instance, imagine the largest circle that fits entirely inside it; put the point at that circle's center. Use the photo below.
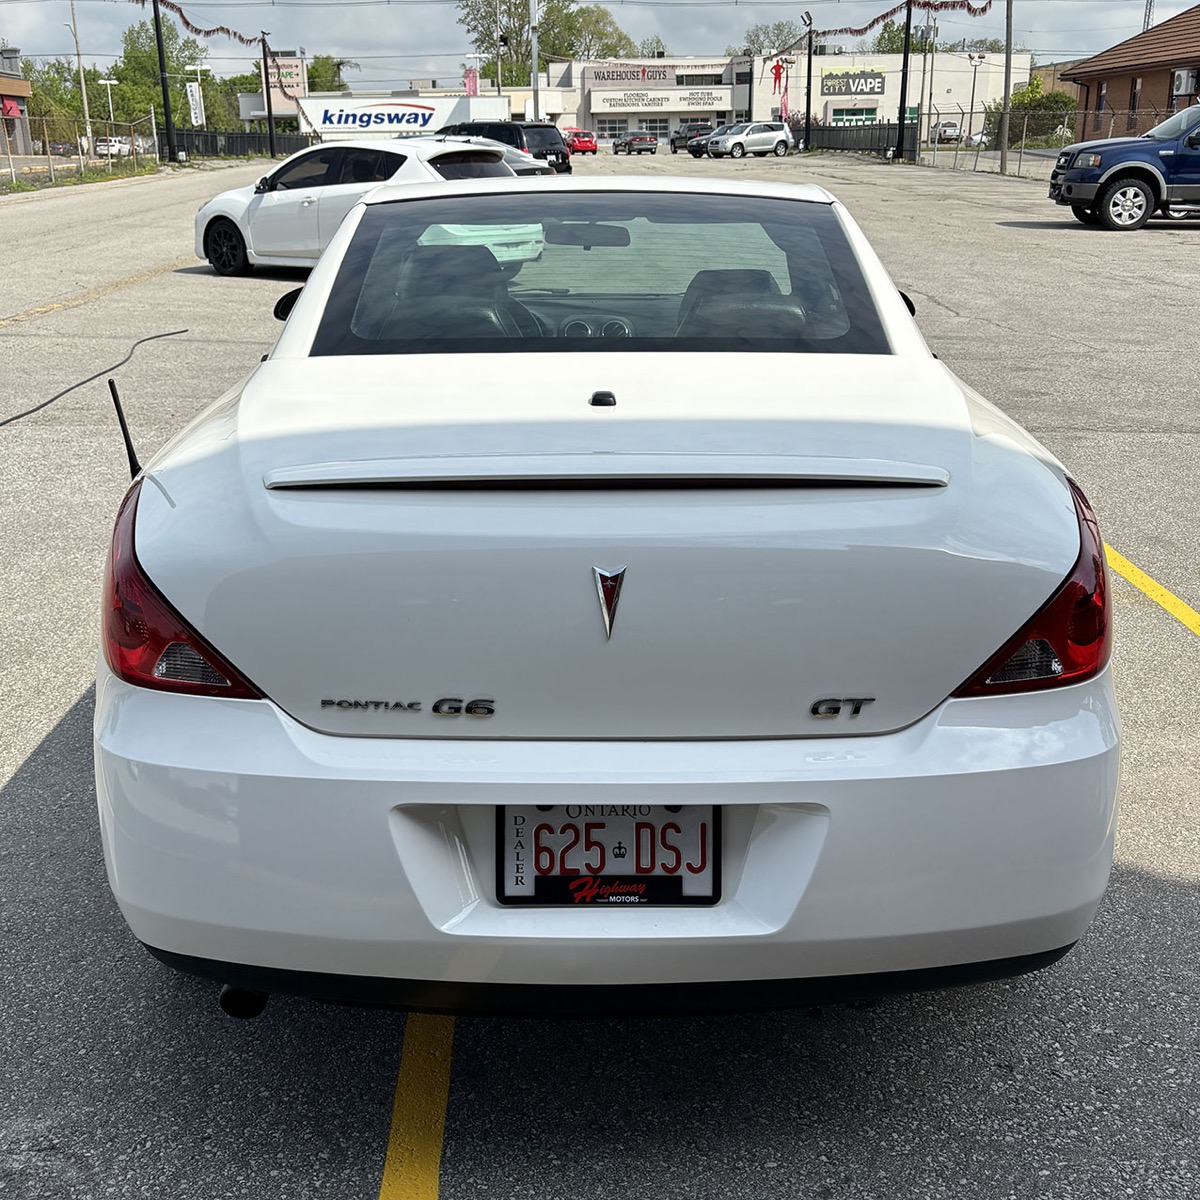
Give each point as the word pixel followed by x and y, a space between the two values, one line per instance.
pixel 95 293
pixel 414 1153
pixel 1184 613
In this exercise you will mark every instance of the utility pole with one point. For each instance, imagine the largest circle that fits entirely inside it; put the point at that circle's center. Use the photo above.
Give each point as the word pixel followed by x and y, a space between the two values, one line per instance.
pixel 87 116
pixel 1006 107
pixel 904 78
pixel 266 94
pixel 166 87
pixel 1148 19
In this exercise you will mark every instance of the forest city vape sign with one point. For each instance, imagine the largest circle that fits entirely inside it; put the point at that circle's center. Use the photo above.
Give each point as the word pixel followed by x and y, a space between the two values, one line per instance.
pixel 852 83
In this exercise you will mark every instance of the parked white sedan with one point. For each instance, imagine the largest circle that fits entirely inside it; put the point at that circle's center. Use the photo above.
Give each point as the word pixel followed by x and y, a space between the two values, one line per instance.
pixel 289 216
pixel 732 652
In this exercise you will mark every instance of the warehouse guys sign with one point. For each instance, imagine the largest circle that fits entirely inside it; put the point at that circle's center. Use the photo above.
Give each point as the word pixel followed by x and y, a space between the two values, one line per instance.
pixel 392 116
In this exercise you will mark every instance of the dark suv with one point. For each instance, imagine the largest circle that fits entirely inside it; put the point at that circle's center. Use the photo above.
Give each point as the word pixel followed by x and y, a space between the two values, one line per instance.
pixel 541 139
pixel 685 133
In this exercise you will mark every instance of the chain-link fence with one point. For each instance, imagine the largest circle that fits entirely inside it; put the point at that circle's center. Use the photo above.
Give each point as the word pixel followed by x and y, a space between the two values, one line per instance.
pixel 42 151
pixel 963 140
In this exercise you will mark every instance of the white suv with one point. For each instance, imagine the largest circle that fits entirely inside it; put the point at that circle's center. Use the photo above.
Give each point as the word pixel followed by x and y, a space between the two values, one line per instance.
pixel 113 147
pixel 752 137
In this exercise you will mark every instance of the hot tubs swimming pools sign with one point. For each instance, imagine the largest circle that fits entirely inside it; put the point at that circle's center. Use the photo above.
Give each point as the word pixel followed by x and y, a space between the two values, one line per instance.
pixel 852 83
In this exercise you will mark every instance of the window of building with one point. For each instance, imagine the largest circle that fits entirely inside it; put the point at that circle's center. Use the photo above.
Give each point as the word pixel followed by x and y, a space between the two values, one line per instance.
pixel 855 116
pixel 659 126
pixel 742 77
pixel 1101 101
pixel 698 80
pixel 1135 96
pixel 610 127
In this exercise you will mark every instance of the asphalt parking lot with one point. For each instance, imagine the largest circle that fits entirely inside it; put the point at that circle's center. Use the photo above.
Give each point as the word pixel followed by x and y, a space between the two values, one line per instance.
pixel 123 1079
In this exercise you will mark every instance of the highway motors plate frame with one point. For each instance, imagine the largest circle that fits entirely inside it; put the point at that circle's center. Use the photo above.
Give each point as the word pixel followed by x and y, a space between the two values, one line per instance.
pixel 584 855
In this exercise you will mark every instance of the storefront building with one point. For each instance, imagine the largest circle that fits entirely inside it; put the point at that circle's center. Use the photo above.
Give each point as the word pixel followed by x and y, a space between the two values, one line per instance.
pixel 659 95
pixel 14 95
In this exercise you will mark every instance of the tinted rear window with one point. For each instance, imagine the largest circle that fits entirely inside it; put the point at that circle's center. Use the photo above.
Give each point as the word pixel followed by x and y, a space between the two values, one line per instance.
pixel 522 272
pixel 464 164
pixel 540 137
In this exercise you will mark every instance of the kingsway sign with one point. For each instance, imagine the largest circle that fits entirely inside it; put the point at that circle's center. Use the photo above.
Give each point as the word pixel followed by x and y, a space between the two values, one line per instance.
pixel 393 116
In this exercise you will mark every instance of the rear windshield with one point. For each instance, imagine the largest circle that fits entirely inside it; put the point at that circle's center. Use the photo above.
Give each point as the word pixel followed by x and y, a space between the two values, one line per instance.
pixel 544 272
pixel 540 137
pixel 464 164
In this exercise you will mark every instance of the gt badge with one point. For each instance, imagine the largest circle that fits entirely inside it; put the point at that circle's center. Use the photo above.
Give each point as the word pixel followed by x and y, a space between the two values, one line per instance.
pixel 608 588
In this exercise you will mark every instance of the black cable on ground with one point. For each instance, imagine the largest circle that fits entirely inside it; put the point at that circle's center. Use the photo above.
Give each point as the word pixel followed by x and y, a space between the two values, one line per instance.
pixel 67 391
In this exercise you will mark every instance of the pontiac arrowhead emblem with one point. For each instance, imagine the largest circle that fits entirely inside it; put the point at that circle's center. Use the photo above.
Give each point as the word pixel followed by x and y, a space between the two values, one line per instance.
pixel 608 588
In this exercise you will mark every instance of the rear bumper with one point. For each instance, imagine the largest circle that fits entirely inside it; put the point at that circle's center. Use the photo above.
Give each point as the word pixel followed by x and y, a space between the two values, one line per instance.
pixel 564 1000
pixel 232 834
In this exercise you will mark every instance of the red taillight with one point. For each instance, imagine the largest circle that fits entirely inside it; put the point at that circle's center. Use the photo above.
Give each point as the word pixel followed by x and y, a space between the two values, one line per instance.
pixel 1069 639
pixel 146 642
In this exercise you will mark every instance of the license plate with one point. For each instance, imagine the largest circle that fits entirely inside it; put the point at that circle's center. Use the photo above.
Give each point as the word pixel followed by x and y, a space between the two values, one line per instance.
pixel 583 855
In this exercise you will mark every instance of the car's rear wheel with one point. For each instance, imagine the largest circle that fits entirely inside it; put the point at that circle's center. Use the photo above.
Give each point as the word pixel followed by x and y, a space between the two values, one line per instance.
pixel 674 148
pixel 1086 215
pixel 781 149
pixel 1126 204
pixel 737 151
pixel 226 248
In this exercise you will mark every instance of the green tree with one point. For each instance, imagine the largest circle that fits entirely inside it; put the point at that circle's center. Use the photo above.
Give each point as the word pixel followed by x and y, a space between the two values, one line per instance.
pixel 596 34
pixel 555 28
pixel 772 38
pixel 139 87
pixel 652 47
pixel 326 73
pixel 1033 113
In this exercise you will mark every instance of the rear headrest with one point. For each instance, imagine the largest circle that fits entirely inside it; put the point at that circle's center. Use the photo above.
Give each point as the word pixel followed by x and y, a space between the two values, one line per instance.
pixel 744 316
pixel 451 270
pixel 741 280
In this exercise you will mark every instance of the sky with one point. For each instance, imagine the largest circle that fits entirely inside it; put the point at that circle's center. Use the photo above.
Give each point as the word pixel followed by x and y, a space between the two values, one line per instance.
pixel 394 41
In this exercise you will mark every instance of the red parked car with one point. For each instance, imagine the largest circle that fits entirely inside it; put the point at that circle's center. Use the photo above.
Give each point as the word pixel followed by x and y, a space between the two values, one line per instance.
pixel 580 141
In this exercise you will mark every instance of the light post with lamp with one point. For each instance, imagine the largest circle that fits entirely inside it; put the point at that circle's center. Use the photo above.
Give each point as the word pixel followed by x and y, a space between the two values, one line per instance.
pixel 109 84
pixel 976 61
pixel 87 116
pixel 808 24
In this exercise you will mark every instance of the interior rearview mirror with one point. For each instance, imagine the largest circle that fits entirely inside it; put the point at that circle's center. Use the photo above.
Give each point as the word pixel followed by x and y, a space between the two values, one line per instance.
pixel 586 234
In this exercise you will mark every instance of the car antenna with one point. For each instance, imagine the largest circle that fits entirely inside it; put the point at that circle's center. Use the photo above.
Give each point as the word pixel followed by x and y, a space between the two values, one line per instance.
pixel 134 465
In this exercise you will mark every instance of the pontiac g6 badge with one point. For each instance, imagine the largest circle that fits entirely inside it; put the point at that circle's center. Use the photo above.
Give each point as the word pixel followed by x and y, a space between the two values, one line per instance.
pixel 608 588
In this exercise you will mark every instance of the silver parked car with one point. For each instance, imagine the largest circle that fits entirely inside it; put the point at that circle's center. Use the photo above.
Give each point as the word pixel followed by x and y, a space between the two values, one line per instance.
pixel 752 137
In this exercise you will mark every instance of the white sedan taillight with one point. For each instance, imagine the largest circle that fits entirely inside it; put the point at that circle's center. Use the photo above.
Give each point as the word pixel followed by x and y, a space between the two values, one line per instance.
pixel 1069 639
pixel 146 642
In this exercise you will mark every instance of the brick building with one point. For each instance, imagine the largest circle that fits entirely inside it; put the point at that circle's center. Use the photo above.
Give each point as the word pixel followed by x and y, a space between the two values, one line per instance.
pixel 1141 81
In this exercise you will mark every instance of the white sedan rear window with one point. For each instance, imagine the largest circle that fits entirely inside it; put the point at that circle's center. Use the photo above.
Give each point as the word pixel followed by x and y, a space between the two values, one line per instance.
pixel 545 273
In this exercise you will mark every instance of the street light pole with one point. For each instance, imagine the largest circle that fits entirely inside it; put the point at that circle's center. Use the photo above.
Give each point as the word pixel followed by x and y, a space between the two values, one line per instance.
pixel 974 60
pixel 87 116
pixel 109 84
pixel 533 32
pixel 808 24
pixel 1006 107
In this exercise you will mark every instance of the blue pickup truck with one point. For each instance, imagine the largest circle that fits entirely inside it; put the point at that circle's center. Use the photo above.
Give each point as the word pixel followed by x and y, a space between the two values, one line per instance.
pixel 1120 183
